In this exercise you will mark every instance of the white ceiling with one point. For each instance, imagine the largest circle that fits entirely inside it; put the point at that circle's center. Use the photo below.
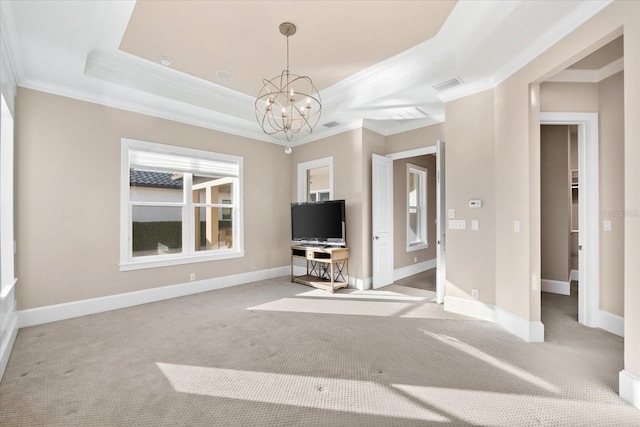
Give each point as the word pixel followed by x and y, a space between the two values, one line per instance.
pixel 376 60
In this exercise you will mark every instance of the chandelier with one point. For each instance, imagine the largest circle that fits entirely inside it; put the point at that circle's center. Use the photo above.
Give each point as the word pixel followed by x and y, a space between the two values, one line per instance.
pixel 288 103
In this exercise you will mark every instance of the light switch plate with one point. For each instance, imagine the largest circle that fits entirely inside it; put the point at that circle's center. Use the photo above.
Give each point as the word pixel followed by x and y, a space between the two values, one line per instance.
pixel 475 225
pixel 607 225
pixel 457 224
pixel 452 213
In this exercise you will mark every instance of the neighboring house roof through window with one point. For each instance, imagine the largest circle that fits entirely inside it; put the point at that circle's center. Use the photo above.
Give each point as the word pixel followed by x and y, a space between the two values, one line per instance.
pixel 138 178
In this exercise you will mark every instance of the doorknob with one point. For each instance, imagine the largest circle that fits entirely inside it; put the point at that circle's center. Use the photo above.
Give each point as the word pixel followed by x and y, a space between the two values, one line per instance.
pixel 580 247
pixel 376 237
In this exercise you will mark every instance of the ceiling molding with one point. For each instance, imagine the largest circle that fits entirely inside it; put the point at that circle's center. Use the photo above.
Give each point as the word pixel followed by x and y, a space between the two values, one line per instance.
pixel 152 105
pixel 392 127
pixel 137 73
pixel 571 75
pixel 559 31
pixel 10 46
pixel 118 79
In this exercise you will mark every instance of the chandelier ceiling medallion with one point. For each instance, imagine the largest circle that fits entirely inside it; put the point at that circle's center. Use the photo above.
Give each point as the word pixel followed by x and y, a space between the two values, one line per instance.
pixel 288 103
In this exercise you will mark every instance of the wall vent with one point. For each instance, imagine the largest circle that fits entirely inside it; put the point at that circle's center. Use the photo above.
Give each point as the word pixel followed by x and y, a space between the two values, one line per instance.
pixel 449 84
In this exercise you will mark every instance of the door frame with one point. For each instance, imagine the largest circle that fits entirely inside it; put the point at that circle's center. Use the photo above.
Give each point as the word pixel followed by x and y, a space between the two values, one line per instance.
pixel 588 210
pixel 432 149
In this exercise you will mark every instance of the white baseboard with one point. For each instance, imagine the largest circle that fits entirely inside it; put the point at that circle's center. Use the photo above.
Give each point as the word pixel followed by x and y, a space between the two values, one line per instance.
pixel 470 307
pixel 555 287
pixel 630 388
pixel 528 331
pixel 8 325
pixel 410 270
pixel 610 322
pixel 54 313
pixel 575 275
pixel 360 283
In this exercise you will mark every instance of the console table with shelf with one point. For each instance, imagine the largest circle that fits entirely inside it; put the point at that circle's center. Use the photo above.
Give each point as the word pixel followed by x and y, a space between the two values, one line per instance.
pixel 326 267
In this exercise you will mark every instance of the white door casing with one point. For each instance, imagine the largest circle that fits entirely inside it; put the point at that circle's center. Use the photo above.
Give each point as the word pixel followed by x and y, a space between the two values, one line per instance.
pixel 441 219
pixel 588 210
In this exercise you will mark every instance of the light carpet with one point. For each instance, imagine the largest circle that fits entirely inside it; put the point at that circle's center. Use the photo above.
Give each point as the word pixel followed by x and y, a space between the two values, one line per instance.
pixel 275 353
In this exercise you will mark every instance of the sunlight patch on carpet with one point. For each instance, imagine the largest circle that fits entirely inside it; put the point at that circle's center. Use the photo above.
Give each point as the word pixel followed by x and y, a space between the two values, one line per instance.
pixel 335 394
pixel 496 363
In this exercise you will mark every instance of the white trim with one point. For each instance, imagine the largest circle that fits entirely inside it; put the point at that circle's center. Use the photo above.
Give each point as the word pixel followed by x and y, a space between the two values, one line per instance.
pixel 469 307
pixel 575 276
pixel 410 270
pixel 8 326
pixel 589 210
pixel 54 313
pixel 630 388
pixel 161 261
pixel 302 176
pixel 431 149
pixel 610 322
pixel 588 76
pixel 361 283
pixel 528 331
pixel 163 154
pixel 559 31
pixel 555 287
pixel 422 206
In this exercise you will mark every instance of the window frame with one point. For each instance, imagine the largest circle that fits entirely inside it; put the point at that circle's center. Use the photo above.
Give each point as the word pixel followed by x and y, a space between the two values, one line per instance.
pixel 189 254
pixel 304 167
pixel 422 206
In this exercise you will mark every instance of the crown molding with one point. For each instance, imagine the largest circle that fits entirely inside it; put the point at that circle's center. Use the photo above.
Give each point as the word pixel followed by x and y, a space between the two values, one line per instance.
pixel 137 73
pixel 156 106
pixel 559 31
pixel 12 68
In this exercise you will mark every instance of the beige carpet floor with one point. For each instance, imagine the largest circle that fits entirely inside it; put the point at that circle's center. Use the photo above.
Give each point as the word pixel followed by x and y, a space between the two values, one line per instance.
pixel 275 353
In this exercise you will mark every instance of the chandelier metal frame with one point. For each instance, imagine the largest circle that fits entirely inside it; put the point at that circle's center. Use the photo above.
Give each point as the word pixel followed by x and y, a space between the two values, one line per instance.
pixel 288 103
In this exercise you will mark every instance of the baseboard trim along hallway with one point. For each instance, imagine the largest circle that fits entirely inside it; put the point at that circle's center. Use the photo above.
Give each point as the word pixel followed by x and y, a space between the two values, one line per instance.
pixel 528 331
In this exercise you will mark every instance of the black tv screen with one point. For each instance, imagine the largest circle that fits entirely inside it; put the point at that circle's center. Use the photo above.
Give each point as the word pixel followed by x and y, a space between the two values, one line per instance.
pixel 321 222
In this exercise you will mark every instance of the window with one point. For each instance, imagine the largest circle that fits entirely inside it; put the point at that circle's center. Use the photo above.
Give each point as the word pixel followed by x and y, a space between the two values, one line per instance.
pixel 315 180
pixel 178 205
pixel 416 207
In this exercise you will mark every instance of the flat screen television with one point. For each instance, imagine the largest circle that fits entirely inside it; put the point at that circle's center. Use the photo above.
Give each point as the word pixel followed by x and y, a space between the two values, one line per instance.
pixel 318 223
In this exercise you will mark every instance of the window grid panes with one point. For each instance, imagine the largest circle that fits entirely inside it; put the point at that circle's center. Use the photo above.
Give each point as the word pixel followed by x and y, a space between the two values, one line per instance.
pixel 416 206
pixel 173 213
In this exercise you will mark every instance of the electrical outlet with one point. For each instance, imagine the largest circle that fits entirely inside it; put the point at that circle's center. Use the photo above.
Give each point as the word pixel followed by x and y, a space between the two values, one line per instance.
pixel 415 259
pixel 192 277
pixel 474 293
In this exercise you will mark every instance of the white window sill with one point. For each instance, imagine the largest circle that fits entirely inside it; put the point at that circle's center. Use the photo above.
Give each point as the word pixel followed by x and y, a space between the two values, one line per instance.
pixel 417 247
pixel 169 261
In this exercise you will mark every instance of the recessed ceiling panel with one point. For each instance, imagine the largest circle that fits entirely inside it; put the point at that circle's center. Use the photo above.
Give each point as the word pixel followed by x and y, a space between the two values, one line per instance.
pixel 334 39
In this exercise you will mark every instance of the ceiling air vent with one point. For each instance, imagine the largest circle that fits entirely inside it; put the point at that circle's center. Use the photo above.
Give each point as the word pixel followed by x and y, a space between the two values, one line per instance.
pixel 331 124
pixel 409 114
pixel 449 84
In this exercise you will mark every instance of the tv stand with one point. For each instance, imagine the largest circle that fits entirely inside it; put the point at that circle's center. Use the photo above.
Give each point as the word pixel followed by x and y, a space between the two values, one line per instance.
pixel 327 267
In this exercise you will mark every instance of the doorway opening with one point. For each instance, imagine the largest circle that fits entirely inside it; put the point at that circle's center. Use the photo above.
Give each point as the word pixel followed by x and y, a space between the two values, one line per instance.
pixel 586 126
pixel 408 250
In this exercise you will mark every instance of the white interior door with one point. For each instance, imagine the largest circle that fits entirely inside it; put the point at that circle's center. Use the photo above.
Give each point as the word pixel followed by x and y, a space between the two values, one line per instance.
pixel 382 220
pixel 441 224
